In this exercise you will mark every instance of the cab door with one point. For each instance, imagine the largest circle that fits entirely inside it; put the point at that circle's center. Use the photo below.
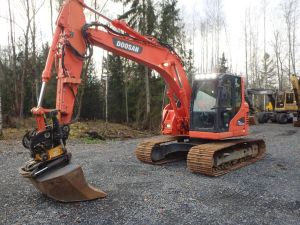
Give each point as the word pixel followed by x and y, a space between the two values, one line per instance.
pixel 229 101
pixel 203 105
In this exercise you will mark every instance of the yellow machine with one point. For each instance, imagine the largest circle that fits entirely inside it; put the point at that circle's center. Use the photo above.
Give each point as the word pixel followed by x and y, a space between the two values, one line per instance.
pixel 285 101
pixel 280 110
pixel 283 107
pixel 269 106
pixel 296 88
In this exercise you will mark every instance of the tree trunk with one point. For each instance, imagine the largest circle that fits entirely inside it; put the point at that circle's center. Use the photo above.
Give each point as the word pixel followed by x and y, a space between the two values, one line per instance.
pixel 246 51
pixel 126 93
pixel 14 60
pixel 95 7
pixel 84 80
pixel 25 63
pixel 206 50
pixel 106 98
pixel 250 52
pixel 218 29
pixel 212 65
pixel 51 17
pixel 1 126
pixel 126 102
pixel 294 39
pixel 276 47
pixel 288 9
pixel 281 71
pixel 33 43
pixel 147 71
pixel 147 74
pixel 265 59
pixel 1 80
pixel 278 71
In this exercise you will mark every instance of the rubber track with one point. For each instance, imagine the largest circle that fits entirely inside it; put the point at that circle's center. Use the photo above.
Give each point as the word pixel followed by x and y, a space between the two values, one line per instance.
pixel 201 157
pixel 143 151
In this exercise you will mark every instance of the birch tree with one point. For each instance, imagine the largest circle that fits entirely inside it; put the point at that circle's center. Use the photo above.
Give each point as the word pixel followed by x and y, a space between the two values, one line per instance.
pixel 246 49
pixel 1 81
pixel 216 22
pixel 25 61
pixel 14 57
pixel 51 16
pixel 289 8
pixel 34 50
pixel 266 56
pixel 252 48
pixel 278 50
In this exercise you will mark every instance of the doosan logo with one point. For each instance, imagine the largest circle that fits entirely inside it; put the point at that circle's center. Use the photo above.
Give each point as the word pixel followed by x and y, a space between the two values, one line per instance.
pixel 127 46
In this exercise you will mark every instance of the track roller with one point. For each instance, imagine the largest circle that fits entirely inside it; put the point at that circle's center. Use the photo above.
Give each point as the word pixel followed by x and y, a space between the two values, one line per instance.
pixel 218 158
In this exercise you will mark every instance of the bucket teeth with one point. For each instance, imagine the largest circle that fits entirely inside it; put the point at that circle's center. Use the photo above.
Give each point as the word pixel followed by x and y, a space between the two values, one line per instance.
pixel 66 184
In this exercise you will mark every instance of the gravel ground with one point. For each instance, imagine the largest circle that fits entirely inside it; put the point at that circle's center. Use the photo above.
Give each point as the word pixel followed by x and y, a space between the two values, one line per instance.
pixel 267 192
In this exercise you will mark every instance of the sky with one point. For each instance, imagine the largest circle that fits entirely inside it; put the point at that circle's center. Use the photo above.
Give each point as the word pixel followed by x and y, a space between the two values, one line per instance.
pixel 232 43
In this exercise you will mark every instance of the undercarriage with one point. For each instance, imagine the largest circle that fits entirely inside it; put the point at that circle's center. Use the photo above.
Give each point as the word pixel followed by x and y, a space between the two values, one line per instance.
pixel 211 158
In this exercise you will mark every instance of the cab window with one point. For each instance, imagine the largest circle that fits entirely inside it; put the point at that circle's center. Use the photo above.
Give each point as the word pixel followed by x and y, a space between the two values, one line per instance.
pixel 280 100
pixel 289 98
pixel 204 102
pixel 238 94
pixel 204 105
pixel 226 94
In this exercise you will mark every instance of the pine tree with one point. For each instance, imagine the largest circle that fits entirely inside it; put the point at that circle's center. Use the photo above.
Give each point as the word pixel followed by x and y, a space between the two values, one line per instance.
pixel 92 102
pixel 116 92
pixel 170 28
pixel 141 17
pixel 222 67
pixel 268 74
pixel 189 66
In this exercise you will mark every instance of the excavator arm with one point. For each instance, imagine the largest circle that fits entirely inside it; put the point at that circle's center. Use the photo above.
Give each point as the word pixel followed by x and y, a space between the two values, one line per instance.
pixel 72 43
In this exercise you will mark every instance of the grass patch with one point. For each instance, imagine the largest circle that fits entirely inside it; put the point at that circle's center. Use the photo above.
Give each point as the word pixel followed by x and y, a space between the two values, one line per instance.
pixel 83 130
pixel 90 141
pixel 105 131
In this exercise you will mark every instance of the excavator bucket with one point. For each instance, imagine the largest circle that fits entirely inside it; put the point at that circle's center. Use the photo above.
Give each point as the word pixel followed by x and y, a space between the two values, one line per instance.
pixel 66 184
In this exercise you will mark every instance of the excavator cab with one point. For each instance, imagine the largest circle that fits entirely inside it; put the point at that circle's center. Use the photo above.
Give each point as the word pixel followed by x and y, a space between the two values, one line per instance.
pixel 216 99
pixel 285 101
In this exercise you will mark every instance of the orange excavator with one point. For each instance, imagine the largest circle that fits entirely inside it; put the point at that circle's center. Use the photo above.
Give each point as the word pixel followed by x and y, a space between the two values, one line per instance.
pixel 202 123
